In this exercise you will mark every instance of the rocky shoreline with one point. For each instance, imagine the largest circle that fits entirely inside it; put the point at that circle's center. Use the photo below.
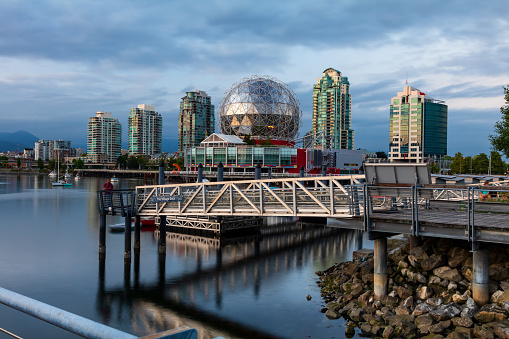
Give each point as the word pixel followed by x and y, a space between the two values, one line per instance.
pixel 429 294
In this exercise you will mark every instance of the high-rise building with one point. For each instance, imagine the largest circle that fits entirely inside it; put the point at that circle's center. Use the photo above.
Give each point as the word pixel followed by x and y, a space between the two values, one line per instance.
pixel 53 149
pixel 145 131
pixel 196 120
pixel 418 127
pixel 332 103
pixel 104 138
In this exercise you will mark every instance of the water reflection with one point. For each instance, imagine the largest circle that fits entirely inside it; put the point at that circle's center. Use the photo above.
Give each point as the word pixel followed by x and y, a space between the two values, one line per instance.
pixel 229 275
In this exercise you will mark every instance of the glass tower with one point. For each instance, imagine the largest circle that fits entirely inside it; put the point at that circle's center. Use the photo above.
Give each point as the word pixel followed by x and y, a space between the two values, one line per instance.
pixel 104 138
pixel 196 119
pixel 145 131
pixel 332 102
pixel 418 127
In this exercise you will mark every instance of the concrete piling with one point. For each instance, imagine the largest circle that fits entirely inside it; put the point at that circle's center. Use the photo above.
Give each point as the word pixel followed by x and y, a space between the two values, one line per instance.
pixel 380 268
pixel 102 235
pixel 258 172
pixel 162 224
pixel 127 237
pixel 480 279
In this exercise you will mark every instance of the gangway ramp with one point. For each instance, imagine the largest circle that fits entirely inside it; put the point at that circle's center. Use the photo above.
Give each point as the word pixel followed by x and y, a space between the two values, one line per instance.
pixel 328 196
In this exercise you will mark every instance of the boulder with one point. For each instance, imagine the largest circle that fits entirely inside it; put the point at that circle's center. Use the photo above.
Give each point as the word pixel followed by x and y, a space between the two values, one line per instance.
pixel 499 271
pixel 445 312
pixel 457 256
pixel 505 285
pixel 403 292
pixel 436 328
pixel 408 302
pixel 433 336
pixel 434 261
pixel 462 321
pixel 355 314
pixel 398 320
pixel 388 332
pixel 501 329
pixel 504 297
pixel 451 275
pixel 470 308
pixel 422 309
pixel 483 332
pixel 434 280
pixel 467 273
pixel 434 301
pixel 424 292
pixel 389 301
pixel 402 310
pixel 459 298
pixel 452 286
pixel 423 320
pixel 495 296
pixel 331 314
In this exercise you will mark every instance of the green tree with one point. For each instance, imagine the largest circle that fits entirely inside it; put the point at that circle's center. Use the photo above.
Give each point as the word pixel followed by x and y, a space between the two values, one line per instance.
pixel 132 162
pixel 481 163
pixel 248 141
pixel 52 164
pixel 457 164
pixel 433 167
pixel 78 163
pixel 468 165
pixel 381 155
pixel 497 165
pixel 40 163
pixel 18 162
pixel 500 139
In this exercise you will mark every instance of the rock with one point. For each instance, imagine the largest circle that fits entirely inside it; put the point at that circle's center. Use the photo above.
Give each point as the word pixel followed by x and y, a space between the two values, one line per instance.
pixel 364 296
pixel 388 332
pixel 457 256
pixel 451 275
pixel 459 298
pixel 499 271
pixel 332 314
pixel 403 292
pixel 445 312
pixel 437 328
pixel 462 321
pixel 504 306
pixel 308 297
pixel 434 280
pixel 505 285
pixel 362 254
pixel 501 329
pixel 397 254
pixel 483 332
pixel 495 296
pixel 355 314
pixel 434 302
pixel 434 261
pixel 503 297
pixel 389 301
pixel 455 335
pixel 423 292
pixel 467 273
pixel 402 310
pixel 452 286
pixel 484 317
pixel 466 332
pixel 440 270
pixel 470 308
pixel 421 309
pixel 365 328
pixel 446 324
pixel 423 320
pixel 408 302
pixel 433 336
pixel 398 320
pixel 349 332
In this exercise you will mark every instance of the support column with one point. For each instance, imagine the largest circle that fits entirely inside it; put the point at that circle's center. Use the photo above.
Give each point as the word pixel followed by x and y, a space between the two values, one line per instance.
pixel 220 171
pixel 200 173
pixel 301 173
pixel 380 267
pixel 127 237
pixel 137 236
pixel 414 241
pixel 102 236
pixel 480 279
pixel 258 172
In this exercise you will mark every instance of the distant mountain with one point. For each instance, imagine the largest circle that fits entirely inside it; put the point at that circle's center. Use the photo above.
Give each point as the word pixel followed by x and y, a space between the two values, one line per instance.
pixel 17 140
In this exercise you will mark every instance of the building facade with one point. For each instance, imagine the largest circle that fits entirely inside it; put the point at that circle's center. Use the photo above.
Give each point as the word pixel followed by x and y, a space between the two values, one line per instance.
pixel 332 102
pixel 104 138
pixel 196 119
pixel 145 131
pixel 418 127
pixel 53 149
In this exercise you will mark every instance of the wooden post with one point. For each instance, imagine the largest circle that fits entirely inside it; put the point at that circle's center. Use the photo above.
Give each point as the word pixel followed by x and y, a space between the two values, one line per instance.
pixel 162 224
pixel 127 237
pixel 380 267
pixel 102 235
pixel 137 227
pixel 480 279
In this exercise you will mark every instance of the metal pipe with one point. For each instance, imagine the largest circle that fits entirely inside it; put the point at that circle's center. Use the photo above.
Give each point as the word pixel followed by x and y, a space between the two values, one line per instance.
pixel 480 278
pixel 63 319
pixel 200 173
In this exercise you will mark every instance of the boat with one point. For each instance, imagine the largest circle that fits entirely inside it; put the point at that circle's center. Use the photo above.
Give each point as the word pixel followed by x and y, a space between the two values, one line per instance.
pixel 77 177
pixel 114 179
pixel 62 182
pixel 145 224
pixel 52 174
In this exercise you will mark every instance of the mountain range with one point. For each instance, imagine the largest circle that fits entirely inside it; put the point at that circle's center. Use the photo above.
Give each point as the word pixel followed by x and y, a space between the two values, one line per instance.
pixel 16 141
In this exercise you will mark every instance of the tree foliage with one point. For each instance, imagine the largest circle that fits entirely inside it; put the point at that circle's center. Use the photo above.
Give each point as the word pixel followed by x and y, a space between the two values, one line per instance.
pixel 381 155
pixel 498 166
pixel 457 164
pixel 433 167
pixel 40 163
pixel 481 163
pixel 500 139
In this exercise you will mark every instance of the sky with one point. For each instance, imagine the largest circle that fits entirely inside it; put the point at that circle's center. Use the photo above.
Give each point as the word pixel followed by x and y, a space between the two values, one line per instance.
pixel 62 61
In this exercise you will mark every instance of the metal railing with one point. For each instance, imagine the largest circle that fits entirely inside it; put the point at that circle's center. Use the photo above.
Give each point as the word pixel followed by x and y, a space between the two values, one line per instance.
pixel 121 202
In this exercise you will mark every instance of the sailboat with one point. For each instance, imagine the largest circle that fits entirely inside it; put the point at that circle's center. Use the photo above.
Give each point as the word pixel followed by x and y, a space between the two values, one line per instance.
pixel 60 182
pixel 67 175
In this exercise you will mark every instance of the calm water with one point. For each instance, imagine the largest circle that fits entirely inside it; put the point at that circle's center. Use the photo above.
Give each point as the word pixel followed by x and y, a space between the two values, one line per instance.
pixel 248 287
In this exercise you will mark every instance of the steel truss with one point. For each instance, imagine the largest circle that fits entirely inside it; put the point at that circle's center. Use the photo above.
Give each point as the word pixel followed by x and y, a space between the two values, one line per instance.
pixel 316 197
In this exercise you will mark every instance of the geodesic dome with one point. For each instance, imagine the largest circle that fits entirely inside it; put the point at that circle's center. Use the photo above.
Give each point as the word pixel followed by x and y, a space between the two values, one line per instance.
pixel 260 106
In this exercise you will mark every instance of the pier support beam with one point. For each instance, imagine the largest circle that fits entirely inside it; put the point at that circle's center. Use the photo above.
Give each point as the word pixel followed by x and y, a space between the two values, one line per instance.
pixel 301 172
pixel 258 172
pixel 200 173
pixel 102 236
pixel 137 229
pixel 380 268
pixel 127 237
pixel 480 279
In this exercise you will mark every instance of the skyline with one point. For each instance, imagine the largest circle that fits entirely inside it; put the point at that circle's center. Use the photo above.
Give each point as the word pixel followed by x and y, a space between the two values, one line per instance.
pixel 62 62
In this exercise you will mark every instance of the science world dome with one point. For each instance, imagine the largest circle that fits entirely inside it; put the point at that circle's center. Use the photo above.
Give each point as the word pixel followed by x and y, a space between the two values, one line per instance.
pixel 260 106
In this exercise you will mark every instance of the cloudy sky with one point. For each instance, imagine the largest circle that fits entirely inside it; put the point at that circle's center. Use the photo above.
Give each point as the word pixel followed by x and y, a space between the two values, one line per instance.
pixel 61 61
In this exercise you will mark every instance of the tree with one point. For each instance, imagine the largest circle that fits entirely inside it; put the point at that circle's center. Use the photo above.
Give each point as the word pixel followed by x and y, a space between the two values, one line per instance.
pixel 18 162
pixel 497 165
pixel 381 155
pixel 500 140
pixel 122 161
pixel 248 141
pixel 132 162
pixel 40 163
pixel 481 163
pixel 456 165
pixel 433 167
pixel 78 163
pixel 468 165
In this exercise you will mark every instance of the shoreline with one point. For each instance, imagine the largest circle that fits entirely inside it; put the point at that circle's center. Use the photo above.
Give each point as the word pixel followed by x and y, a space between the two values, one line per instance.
pixel 429 294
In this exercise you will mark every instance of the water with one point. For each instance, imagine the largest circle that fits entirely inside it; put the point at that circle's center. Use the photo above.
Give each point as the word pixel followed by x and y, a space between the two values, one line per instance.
pixel 249 287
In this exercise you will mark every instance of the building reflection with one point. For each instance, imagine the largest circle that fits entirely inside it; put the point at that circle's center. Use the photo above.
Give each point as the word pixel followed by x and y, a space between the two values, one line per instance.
pixel 224 266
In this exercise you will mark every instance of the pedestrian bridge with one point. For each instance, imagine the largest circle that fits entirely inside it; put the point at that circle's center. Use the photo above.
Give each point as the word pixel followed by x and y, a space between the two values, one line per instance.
pixel 330 196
